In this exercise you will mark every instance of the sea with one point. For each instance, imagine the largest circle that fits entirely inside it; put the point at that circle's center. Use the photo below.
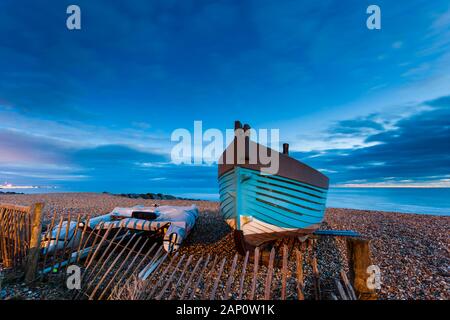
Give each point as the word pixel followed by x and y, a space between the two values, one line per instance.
pixel 434 201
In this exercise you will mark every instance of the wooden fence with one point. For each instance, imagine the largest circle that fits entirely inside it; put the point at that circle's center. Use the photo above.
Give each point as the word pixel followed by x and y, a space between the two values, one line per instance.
pixel 134 269
pixel 15 234
pixel 120 264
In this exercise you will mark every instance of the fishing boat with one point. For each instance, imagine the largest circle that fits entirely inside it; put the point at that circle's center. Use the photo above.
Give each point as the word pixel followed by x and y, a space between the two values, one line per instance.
pixel 263 207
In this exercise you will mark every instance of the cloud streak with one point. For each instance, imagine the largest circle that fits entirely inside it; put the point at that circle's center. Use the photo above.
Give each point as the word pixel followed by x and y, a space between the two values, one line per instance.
pixel 417 147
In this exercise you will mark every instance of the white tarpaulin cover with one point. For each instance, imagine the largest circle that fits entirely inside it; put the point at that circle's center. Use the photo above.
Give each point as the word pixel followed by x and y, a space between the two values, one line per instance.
pixel 178 220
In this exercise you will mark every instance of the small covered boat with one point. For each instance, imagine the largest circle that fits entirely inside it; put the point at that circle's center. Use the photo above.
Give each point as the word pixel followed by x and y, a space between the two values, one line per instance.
pixel 261 207
pixel 176 222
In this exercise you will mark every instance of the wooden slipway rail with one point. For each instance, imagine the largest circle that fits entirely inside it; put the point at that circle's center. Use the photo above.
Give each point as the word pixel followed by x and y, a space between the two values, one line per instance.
pixel 121 264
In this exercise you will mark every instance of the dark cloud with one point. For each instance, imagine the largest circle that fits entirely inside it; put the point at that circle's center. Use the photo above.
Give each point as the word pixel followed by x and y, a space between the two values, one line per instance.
pixel 440 102
pixel 419 147
pixel 350 127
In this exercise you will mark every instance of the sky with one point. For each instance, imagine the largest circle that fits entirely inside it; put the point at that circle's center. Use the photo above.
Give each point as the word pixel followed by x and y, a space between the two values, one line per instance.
pixel 94 109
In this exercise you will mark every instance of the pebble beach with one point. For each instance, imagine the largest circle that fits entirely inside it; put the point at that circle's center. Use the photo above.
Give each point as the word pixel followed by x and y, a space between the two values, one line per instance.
pixel 411 250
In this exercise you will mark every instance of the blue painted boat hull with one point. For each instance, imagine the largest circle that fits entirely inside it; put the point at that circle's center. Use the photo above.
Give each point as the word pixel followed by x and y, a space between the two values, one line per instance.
pixel 267 207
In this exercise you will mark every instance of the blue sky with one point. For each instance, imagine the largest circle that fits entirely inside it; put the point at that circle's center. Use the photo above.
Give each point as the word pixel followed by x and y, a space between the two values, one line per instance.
pixel 93 110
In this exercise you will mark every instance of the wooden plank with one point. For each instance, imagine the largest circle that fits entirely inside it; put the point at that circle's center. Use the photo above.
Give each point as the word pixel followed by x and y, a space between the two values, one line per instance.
pixel 74 237
pixel 83 234
pixel 208 278
pixel 350 292
pixel 58 233
pixel 216 282
pixel 35 242
pixel 155 257
pixel 95 273
pixel 284 272
pixel 174 291
pixel 316 279
pixel 230 277
pixel 66 236
pixel 130 266
pixel 89 271
pixel 133 273
pixel 268 286
pixel 169 281
pixel 124 261
pixel 300 283
pixel 191 277
pixel 200 277
pixel 92 295
pixel 97 232
pixel 359 261
pixel 255 272
pixel 162 276
pixel 243 272
pixel 153 268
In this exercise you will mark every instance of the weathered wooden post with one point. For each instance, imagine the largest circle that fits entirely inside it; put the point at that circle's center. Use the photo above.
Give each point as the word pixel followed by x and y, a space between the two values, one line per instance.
pixel 35 241
pixel 359 261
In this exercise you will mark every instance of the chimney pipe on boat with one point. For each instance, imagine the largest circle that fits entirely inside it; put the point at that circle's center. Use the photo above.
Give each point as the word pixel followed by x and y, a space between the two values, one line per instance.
pixel 286 148
pixel 237 125
pixel 246 127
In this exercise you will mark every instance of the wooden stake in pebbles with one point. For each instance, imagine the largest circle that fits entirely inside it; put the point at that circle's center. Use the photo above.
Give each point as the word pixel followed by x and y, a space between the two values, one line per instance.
pixel 119 269
pixel 230 277
pixel 316 279
pixel 193 273
pixel 90 270
pixel 300 284
pixel 85 227
pixel 244 269
pixel 174 291
pixel 33 255
pixel 56 242
pixel 359 261
pixel 169 281
pixel 66 236
pixel 162 276
pixel 208 278
pixel 284 272
pixel 110 268
pixel 255 272
pixel 49 235
pixel 97 236
pixel 200 277
pixel 268 287
pixel 130 266
pixel 216 282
